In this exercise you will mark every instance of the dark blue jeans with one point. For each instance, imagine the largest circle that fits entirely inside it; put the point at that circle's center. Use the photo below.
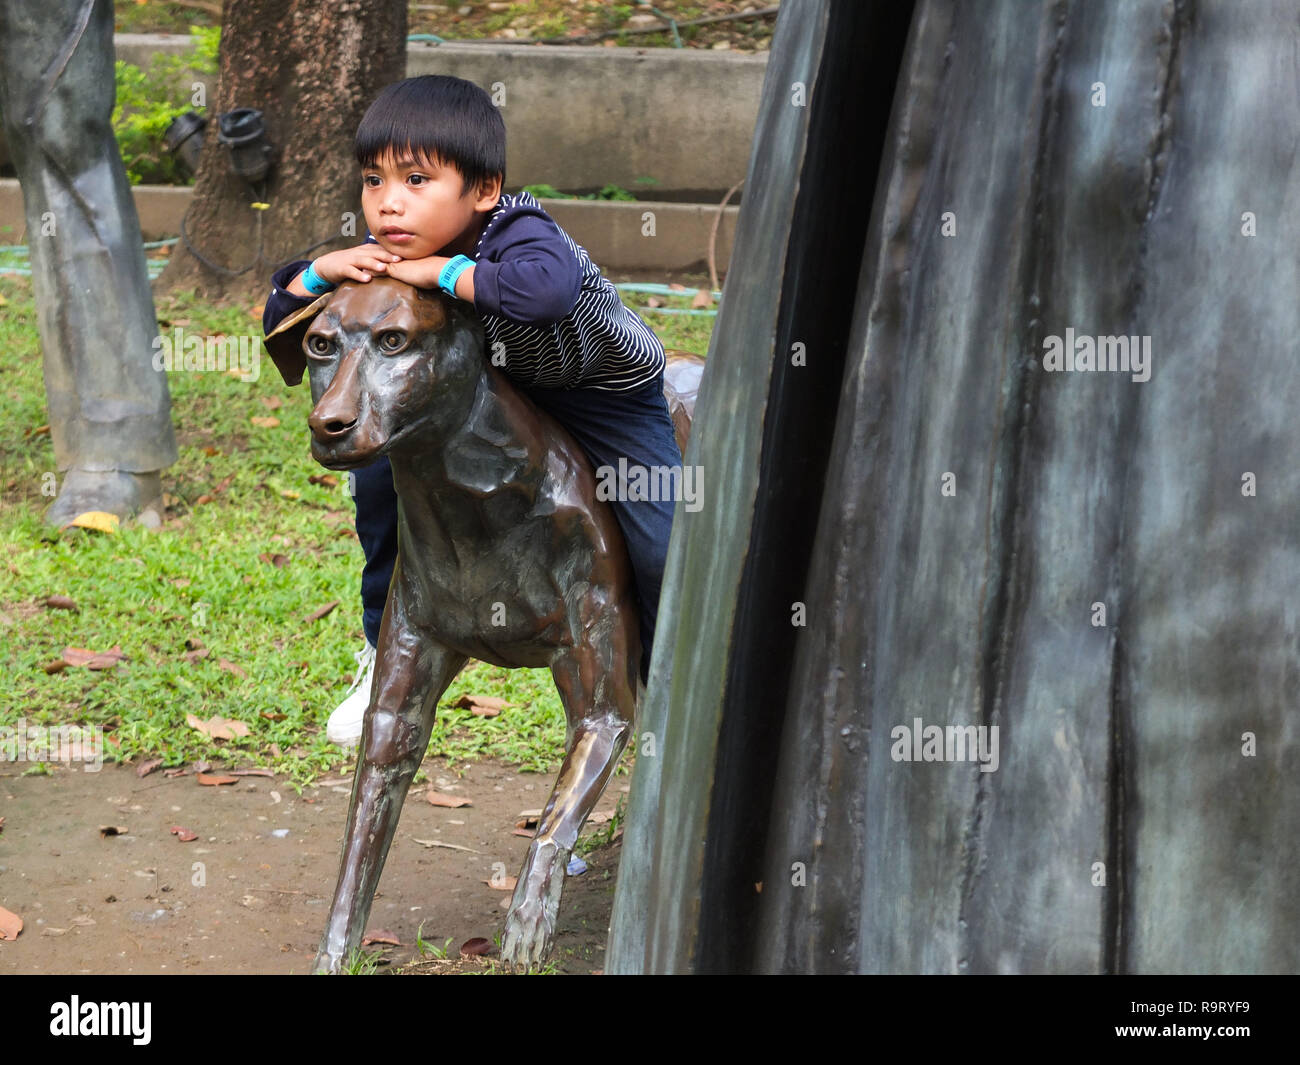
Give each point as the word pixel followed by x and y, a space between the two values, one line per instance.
pixel 607 426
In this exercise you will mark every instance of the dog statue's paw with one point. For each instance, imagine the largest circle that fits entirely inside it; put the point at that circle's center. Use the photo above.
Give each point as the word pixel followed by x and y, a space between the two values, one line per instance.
pixel 530 924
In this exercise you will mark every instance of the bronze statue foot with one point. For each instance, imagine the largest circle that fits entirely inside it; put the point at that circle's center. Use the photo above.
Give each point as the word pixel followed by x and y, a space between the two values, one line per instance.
pixel 113 491
pixel 530 924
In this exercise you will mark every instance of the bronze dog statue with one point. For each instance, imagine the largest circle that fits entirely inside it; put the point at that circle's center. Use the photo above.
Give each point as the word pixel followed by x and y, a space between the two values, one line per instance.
pixel 505 555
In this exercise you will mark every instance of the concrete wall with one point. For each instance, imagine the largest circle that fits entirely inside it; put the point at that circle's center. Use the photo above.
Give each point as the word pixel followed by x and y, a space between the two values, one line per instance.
pixel 579 118
pixel 614 234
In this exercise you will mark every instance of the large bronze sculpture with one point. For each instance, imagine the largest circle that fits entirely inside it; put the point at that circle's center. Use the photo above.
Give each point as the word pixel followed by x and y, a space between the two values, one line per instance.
pixel 505 554
pixel 109 409
pixel 923 510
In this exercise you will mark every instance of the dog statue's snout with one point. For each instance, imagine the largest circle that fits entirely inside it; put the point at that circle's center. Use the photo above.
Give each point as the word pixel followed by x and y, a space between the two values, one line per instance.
pixel 331 429
pixel 336 415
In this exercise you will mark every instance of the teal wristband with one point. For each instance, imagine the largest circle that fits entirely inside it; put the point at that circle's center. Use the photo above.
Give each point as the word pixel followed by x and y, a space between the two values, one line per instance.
pixel 314 283
pixel 451 273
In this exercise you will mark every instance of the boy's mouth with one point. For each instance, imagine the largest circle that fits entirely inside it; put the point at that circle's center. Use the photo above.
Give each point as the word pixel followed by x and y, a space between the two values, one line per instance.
pixel 397 236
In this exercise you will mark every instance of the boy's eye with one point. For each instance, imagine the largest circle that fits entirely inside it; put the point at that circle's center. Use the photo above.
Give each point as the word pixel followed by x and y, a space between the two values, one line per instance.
pixel 420 177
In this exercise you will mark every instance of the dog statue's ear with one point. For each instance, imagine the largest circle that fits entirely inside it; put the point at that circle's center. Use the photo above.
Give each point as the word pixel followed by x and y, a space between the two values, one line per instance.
pixel 284 342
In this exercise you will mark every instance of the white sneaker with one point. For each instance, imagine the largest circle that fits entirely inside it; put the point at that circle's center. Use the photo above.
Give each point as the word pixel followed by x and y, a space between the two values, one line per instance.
pixel 344 725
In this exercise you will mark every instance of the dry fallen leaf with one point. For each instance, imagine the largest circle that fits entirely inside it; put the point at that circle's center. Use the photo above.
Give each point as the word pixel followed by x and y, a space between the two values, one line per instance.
pixel 316 615
pixel 476 947
pixel 654 301
pixel 145 768
pixel 272 402
pixel 218 727
pixel 212 781
pixel 10 924
pixel 264 423
pixel 180 772
pixel 380 936
pixel 79 656
pixel 703 298
pixel 505 883
pixel 230 667
pixel 274 560
pixel 60 602
pixel 452 802
pixel 482 705
pixel 251 773
pixel 327 479
pixel 113 830
pixel 183 834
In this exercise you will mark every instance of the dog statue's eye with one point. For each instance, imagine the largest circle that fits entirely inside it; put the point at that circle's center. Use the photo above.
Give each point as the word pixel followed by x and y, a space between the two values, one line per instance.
pixel 319 346
pixel 392 340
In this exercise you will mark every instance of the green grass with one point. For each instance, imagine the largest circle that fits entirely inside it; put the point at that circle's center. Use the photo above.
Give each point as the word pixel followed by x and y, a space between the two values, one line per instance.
pixel 200 578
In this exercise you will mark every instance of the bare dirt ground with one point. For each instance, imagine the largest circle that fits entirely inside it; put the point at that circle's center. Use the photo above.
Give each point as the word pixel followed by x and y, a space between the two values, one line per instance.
pixel 251 893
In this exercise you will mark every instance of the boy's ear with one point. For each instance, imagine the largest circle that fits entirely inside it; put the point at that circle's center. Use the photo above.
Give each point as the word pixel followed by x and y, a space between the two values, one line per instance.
pixel 284 342
pixel 489 193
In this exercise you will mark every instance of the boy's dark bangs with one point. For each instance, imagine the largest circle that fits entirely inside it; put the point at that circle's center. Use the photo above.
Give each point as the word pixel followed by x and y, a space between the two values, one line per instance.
pixel 443 119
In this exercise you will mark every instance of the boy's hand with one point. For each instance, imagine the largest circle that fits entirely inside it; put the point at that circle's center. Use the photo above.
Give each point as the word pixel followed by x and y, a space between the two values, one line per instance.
pixel 354 264
pixel 422 273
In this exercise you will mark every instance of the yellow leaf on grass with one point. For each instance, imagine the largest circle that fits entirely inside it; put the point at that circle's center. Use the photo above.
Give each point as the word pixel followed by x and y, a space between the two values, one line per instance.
pixel 99 520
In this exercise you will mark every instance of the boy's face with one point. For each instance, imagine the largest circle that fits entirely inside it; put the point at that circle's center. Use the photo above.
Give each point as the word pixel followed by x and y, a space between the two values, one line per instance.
pixel 421 202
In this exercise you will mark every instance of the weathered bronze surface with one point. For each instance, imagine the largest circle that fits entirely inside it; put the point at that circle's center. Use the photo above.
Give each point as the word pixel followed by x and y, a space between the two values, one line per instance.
pixel 504 555
pixel 1104 568
pixel 109 408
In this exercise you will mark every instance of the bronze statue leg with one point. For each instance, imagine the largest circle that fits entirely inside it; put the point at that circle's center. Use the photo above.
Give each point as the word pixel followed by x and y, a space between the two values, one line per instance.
pixel 410 675
pixel 598 688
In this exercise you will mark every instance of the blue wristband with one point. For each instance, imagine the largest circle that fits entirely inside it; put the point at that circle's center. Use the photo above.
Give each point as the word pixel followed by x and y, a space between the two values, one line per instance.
pixel 452 271
pixel 314 283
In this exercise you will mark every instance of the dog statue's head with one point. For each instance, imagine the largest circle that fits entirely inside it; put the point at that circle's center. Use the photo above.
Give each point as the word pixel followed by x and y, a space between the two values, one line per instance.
pixel 389 365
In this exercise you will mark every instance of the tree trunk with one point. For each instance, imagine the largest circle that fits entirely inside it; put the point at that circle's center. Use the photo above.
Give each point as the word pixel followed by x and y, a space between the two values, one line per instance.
pixel 312 70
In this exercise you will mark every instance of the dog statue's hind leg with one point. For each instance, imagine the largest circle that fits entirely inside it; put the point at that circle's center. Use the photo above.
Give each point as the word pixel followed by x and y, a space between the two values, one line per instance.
pixel 411 674
pixel 597 685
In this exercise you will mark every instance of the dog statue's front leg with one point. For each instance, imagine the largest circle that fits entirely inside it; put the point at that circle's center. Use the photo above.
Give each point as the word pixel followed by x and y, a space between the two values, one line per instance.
pixel 600 706
pixel 410 675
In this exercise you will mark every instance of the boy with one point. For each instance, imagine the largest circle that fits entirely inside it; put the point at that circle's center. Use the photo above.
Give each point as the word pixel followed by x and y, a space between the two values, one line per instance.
pixel 432 154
